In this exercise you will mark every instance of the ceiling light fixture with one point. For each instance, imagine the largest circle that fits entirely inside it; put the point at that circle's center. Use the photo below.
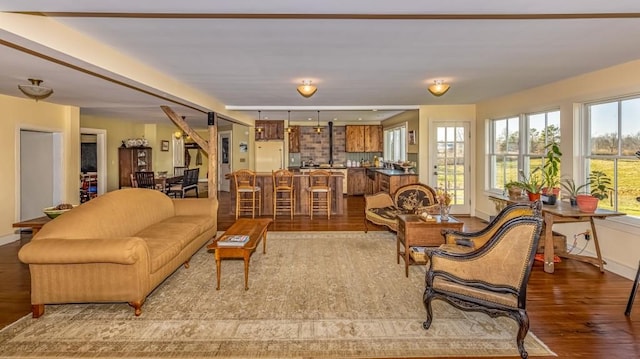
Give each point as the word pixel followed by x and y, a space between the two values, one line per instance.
pixel 289 129
pixel 318 129
pixel 439 88
pixel 35 91
pixel 259 127
pixel 307 89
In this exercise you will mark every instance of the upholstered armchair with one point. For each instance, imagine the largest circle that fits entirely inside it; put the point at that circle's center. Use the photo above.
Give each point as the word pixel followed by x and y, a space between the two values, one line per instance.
pixel 383 209
pixel 491 279
pixel 466 241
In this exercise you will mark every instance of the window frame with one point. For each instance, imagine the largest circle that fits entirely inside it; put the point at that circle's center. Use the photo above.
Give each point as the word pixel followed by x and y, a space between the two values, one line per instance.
pixel 388 151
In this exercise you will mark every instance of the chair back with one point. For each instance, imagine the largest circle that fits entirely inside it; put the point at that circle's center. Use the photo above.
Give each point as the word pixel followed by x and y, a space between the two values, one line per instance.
pixel 410 197
pixel 132 177
pixel 190 177
pixel 244 179
pixel 146 179
pixel 282 180
pixel 319 180
pixel 179 171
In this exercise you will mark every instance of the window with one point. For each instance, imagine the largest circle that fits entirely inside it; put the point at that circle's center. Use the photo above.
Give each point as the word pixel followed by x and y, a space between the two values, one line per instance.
pixel 395 143
pixel 612 132
pixel 507 154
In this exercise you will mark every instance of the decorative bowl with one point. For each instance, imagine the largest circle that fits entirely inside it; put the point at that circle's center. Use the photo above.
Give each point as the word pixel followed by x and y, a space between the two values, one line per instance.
pixel 52 212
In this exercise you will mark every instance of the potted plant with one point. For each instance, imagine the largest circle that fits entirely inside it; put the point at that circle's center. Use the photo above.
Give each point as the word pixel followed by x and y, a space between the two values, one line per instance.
pixel 533 184
pixel 514 190
pixel 551 170
pixel 600 189
pixel 572 189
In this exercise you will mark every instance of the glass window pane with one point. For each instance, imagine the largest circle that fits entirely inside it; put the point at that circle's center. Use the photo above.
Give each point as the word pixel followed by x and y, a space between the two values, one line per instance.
pixel 513 133
pixel 604 128
pixel 607 167
pixel 628 189
pixel 630 131
pixel 536 138
pixel 500 136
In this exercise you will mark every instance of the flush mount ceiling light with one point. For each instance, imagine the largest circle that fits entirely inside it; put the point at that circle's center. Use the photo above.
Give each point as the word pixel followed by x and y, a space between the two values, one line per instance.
pixel 259 128
pixel 35 91
pixel 439 88
pixel 318 128
pixel 307 89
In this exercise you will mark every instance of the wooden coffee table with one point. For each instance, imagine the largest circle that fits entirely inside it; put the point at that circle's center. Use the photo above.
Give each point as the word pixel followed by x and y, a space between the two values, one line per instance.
pixel 414 232
pixel 256 229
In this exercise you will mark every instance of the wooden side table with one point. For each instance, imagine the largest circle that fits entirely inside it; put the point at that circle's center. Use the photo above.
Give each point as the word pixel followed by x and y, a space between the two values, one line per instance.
pixel 414 232
pixel 35 224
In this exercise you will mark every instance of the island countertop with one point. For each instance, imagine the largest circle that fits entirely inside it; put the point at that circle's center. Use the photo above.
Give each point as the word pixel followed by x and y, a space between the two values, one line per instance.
pixel 300 185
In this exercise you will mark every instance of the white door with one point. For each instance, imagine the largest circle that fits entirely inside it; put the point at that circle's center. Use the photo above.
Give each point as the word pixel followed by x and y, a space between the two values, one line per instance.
pixel 224 160
pixel 450 161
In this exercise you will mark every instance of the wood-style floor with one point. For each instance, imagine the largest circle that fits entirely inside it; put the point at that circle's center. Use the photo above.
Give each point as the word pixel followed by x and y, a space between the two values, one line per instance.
pixel 577 311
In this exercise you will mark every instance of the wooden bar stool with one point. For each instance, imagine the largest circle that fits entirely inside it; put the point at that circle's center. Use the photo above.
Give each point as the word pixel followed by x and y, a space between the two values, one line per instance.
pixel 247 193
pixel 319 192
pixel 283 192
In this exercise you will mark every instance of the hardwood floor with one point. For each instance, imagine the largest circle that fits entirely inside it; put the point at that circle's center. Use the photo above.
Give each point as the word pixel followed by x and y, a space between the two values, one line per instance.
pixel 577 311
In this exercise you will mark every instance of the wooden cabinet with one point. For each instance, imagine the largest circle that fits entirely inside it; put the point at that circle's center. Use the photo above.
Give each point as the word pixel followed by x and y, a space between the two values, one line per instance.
pixel 373 139
pixel 132 160
pixel 354 138
pixel 387 180
pixel 356 181
pixel 294 139
pixel 363 138
pixel 271 130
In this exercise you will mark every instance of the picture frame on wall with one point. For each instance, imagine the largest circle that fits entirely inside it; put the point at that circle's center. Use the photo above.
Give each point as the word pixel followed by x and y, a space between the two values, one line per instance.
pixel 412 137
pixel 164 146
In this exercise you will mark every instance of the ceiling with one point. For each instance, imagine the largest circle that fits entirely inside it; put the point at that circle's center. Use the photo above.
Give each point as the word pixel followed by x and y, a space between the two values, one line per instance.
pixel 250 55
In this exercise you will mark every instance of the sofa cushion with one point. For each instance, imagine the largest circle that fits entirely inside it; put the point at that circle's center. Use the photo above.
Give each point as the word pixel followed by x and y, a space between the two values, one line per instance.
pixel 389 212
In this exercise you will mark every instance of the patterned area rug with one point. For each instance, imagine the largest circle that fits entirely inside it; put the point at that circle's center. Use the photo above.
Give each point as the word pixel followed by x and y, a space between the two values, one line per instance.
pixel 313 295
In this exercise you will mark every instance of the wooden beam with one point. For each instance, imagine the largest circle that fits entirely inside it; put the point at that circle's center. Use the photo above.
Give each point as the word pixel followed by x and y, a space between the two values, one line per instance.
pixel 184 126
pixel 212 179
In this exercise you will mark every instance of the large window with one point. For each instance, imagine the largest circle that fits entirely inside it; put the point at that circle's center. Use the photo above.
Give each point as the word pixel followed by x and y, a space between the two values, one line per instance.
pixel 395 143
pixel 612 137
pixel 508 154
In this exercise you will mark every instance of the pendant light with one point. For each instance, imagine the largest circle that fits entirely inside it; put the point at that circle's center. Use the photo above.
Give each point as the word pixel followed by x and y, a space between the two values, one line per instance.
pixel 289 129
pixel 318 129
pixel 259 127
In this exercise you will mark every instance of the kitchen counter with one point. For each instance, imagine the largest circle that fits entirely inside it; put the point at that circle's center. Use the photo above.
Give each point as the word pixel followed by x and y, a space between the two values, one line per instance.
pixel 390 172
pixel 300 184
pixel 388 180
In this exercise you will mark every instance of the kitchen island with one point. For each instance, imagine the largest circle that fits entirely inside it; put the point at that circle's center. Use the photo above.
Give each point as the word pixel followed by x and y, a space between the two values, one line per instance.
pixel 388 180
pixel 300 184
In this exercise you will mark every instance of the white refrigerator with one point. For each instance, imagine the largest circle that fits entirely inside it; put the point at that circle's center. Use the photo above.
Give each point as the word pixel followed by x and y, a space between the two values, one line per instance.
pixel 269 156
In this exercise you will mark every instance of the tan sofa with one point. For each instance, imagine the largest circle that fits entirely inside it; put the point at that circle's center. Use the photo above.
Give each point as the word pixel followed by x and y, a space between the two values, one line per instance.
pixel 116 248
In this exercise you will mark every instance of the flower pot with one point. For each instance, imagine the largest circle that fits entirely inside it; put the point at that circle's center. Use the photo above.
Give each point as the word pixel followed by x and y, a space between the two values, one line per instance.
pixel 573 201
pixel 587 203
pixel 515 193
pixel 533 196
pixel 549 199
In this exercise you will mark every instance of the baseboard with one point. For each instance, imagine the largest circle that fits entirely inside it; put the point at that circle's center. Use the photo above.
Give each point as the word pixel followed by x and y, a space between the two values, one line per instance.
pixel 9 238
pixel 615 267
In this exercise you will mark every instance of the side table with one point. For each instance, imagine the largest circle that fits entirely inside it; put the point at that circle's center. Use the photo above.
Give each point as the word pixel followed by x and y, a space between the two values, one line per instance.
pixel 415 232
pixel 35 224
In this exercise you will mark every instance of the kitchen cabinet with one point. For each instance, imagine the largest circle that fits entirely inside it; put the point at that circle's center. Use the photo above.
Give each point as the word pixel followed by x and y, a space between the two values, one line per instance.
pixel 271 130
pixel 132 160
pixel 363 138
pixel 385 180
pixel 356 181
pixel 294 139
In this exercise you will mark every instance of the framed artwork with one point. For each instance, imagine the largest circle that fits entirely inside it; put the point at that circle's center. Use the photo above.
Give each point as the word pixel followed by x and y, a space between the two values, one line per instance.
pixel 412 137
pixel 164 145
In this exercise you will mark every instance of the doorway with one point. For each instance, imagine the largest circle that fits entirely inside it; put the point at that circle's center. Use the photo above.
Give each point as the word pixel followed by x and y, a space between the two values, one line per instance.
pixel 224 160
pixel 100 137
pixel 40 172
pixel 450 146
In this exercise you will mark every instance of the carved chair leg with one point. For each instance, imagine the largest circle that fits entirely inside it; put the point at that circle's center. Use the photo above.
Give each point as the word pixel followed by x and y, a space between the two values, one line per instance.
pixel 37 310
pixel 428 296
pixel 523 323
pixel 186 264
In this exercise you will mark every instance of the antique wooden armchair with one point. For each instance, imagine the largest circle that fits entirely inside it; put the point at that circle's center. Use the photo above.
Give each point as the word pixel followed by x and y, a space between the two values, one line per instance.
pixel 491 279
pixel 383 210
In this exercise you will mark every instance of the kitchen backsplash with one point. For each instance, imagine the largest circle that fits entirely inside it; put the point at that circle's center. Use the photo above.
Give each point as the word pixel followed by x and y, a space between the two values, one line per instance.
pixel 315 147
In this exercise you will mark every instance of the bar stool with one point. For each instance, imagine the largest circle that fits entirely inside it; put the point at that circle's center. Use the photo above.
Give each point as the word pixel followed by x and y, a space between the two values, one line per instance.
pixel 247 193
pixel 283 192
pixel 319 192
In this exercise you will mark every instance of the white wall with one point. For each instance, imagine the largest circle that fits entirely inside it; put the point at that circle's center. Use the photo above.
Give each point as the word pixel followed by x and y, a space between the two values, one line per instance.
pixel 36 173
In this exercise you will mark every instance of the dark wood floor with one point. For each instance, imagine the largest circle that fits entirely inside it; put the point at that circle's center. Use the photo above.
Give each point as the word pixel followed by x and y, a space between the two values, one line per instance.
pixel 577 311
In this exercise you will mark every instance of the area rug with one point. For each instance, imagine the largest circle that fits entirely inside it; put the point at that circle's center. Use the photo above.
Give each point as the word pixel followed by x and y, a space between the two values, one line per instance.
pixel 312 295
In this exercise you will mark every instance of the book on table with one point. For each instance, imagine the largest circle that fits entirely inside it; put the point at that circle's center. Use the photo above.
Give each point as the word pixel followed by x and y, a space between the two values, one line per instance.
pixel 233 240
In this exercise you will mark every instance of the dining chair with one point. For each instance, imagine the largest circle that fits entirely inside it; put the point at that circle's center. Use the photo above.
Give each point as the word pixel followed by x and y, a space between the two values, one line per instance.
pixel 189 182
pixel 283 192
pixel 319 192
pixel 247 192
pixel 146 179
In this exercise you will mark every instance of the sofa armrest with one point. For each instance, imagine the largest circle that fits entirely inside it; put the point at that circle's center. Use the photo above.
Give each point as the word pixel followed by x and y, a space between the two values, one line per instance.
pixel 196 206
pixel 378 200
pixel 127 250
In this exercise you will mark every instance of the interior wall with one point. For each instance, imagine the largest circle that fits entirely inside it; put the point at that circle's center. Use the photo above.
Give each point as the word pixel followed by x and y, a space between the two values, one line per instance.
pixel 19 113
pixel 618 240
